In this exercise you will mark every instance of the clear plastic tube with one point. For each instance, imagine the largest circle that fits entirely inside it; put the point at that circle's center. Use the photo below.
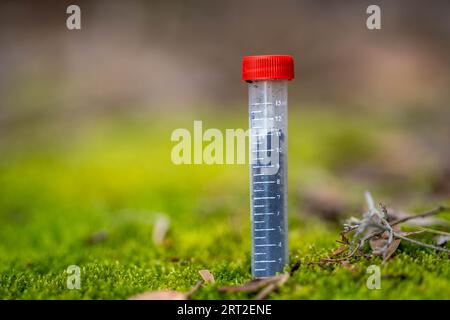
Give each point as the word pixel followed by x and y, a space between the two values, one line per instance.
pixel 268 176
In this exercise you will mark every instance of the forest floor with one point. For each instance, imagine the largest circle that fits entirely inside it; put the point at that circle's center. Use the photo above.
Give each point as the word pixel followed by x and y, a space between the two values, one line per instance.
pixel 91 197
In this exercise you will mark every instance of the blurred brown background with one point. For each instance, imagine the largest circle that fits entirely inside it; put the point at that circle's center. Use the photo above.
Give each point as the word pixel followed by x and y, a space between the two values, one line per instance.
pixel 159 55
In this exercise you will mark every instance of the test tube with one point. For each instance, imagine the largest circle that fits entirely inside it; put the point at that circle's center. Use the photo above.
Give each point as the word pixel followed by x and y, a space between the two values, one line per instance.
pixel 267 77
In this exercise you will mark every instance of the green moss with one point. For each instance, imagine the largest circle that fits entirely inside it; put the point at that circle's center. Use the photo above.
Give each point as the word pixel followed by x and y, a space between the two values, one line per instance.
pixel 118 177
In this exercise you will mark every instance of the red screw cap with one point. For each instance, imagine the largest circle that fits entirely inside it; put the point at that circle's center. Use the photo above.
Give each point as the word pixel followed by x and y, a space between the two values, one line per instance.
pixel 271 67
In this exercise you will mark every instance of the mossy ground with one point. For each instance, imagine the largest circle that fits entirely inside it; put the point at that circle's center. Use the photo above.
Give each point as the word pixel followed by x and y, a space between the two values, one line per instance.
pixel 60 188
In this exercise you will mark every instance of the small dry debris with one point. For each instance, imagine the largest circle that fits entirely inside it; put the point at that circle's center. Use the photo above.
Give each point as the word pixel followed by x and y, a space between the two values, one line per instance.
pixel 278 282
pixel 167 294
pixel 442 239
pixel 347 265
pixel 194 289
pixel 97 237
pixel 160 295
pixel 267 285
pixel 207 276
pixel 383 231
pixel 252 285
pixel 160 229
pixel 264 285
pixel 338 251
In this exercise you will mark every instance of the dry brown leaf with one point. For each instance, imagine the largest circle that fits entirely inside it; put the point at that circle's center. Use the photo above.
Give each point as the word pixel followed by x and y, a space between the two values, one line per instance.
pixel 207 276
pixel 167 294
pixel 160 295
pixel 378 242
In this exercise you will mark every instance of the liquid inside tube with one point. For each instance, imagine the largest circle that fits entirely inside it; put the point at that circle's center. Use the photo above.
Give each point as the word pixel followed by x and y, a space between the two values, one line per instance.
pixel 268 176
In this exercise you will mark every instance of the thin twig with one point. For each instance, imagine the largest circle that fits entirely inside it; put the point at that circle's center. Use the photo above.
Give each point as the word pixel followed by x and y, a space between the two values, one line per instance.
pixel 194 289
pixel 423 215
pixel 411 233
pixel 422 244
pixel 434 231
pixel 279 281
